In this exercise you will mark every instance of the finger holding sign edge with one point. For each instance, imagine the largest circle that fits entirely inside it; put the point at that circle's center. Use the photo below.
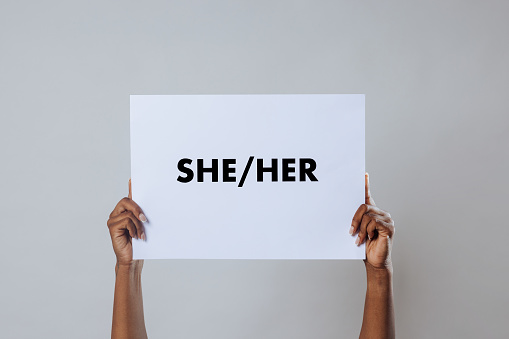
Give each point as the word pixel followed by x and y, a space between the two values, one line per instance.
pixel 140 229
pixel 366 219
pixel 141 216
pixel 130 195
pixel 135 212
pixel 119 227
pixel 371 219
pixel 368 207
pixel 127 204
pixel 367 195
pixel 357 218
pixel 370 229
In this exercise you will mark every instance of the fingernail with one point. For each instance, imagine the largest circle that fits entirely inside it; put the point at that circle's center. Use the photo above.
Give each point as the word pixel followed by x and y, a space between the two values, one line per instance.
pixel 143 217
pixel 351 230
pixel 143 236
pixel 357 241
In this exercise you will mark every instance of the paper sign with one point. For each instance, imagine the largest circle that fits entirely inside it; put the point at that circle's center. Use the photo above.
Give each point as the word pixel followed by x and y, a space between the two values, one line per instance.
pixel 247 176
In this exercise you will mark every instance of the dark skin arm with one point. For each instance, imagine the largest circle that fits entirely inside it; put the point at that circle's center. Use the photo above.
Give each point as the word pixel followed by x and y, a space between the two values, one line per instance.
pixel 371 225
pixel 126 223
pixel 375 227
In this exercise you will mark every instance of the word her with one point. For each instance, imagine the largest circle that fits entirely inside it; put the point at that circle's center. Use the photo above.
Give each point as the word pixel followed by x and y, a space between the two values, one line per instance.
pixel 288 166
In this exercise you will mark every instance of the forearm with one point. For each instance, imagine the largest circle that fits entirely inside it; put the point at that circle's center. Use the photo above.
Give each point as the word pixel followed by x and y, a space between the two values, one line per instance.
pixel 128 319
pixel 378 321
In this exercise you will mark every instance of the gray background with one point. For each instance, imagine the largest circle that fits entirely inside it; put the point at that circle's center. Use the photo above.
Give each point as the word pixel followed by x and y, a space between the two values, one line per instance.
pixel 435 77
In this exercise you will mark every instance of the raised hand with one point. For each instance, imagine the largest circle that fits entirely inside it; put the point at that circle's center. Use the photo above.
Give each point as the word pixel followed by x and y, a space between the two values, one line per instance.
pixel 375 227
pixel 125 223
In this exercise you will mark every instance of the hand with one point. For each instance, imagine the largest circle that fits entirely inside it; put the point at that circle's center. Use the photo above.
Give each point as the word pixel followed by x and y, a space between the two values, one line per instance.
pixel 375 227
pixel 125 223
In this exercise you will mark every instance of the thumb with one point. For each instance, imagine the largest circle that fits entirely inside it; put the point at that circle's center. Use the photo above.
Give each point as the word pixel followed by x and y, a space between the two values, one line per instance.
pixel 130 196
pixel 368 199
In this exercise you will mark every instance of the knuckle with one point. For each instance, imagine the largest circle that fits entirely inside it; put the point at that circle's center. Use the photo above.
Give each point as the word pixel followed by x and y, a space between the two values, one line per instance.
pixel 390 224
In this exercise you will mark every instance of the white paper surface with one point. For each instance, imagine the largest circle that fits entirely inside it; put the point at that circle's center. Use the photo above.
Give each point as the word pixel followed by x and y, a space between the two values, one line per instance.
pixel 260 220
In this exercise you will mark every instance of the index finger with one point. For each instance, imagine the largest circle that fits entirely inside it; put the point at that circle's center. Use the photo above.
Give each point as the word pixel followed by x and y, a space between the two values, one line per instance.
pixel 368 199
pixel 130 196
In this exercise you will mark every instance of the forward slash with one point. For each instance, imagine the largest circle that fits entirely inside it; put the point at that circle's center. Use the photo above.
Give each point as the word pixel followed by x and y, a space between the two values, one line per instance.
pixel 246 170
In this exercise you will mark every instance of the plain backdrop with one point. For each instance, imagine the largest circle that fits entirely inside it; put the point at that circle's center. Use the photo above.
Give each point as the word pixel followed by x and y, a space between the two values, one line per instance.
pixel 437 134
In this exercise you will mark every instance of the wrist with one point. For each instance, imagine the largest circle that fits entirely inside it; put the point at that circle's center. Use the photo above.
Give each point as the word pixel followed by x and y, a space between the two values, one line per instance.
pixel 385 266
pixel 133 266
pixel 379 277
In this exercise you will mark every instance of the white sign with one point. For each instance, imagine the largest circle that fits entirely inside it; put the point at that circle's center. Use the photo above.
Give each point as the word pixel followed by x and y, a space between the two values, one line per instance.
pixel 248 176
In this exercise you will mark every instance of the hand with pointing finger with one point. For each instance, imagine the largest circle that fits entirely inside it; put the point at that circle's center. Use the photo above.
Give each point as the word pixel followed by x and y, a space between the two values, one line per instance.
pixel 126 223
pixel 375 227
